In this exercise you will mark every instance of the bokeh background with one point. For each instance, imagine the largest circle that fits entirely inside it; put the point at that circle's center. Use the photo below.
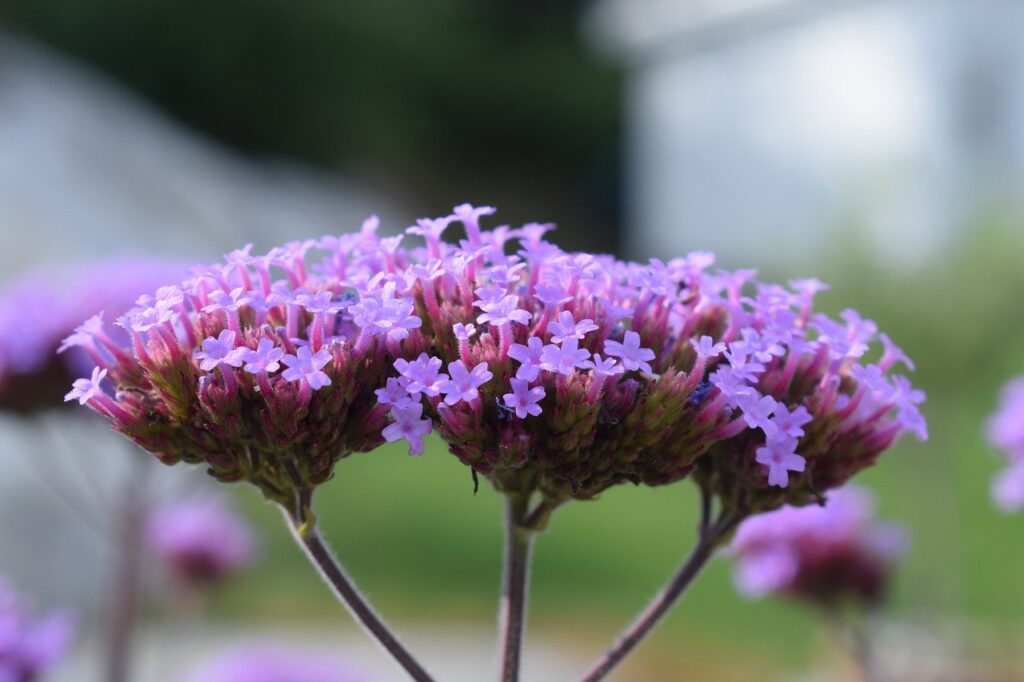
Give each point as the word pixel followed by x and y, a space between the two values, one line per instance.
pixel 878 145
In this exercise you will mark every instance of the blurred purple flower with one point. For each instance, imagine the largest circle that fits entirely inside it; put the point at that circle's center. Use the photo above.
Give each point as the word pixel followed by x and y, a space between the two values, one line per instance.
pixel 272 663
pixel 29 647
pixel 1006 432
pixel 43 306
pixel 200 541
pixel 826 554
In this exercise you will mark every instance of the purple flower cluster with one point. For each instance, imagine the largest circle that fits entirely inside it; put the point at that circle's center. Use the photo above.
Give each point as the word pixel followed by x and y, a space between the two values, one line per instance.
pixel 825 554
pixel 542 369
pixel 1006 432
pixel 271 663
pixel 28 647
pixel 200 541
pixel 43 306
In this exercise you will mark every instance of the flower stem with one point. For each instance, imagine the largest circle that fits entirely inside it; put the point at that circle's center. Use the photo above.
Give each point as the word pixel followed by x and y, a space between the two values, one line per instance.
pixel 664 601
pixel 303 526
pixel 855 642
pixel 126 578
pixel 518 541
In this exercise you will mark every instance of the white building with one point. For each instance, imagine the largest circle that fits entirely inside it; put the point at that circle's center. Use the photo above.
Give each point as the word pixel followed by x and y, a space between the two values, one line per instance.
pixel 773 129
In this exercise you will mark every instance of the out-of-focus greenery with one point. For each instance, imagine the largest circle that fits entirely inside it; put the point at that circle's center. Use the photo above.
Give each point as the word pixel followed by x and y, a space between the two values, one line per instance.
pixel 426 547
pixel 434 102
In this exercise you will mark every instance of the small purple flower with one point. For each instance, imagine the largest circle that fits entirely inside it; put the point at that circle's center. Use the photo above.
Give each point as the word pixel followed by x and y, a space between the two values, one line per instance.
pixel 552 295
pixel 307 366
pixel 84 335
pixel 524 399
pixel 384 314
pixel 757 411
pixel 564 359
pixel 470 217
pixel 735 390
pixel 218 351
pixel 893 354
pixel 503 312
pixel 505 275
pixel 222 300
pixel 779 455
pixel 85 390
pixel 394 393
pixel 489 296
pixel 604 367
pixel 430 228
pixel 790 422
pixel 463 384
pixel 463 332
pixel 266 357
pixel 907 398
pixel 629 352
pixel 408 425
pixel 529 356
pixel 565 327
pixel 141 320
pixel 320 302
pixel 742 366
pixel 422 375
pixel 706 348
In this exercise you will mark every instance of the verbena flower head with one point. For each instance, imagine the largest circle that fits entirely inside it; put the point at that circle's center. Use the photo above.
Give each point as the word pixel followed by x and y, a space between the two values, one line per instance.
pixel 200 541
pixel 263 368
pixel 29 647
pixel 828 554
pixel 273 663
pixel 1006 432
pixel 43 306
pixel 624 371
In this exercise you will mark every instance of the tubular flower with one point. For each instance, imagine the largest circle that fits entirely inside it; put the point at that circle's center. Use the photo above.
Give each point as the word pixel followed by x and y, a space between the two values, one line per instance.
pixel 623 371
pixel 201 541
pixel 826 554
pixel 28 648
pixel 263 368
pixel 1006 433
pixel 602 371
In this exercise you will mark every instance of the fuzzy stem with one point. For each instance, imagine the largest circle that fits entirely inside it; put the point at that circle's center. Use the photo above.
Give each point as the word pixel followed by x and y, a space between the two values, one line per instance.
pixel 303 526
pixel 854 641
pixel 126 580
pixel 664 601
pixel 518 540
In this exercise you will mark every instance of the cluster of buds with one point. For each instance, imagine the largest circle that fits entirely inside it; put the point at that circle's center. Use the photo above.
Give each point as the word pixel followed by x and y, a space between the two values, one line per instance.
pixel 270 663
pixel 201 542
pixel 827 555
pixel 41 307
pixel 1006 432
pixel 28 647
pixel 544 370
